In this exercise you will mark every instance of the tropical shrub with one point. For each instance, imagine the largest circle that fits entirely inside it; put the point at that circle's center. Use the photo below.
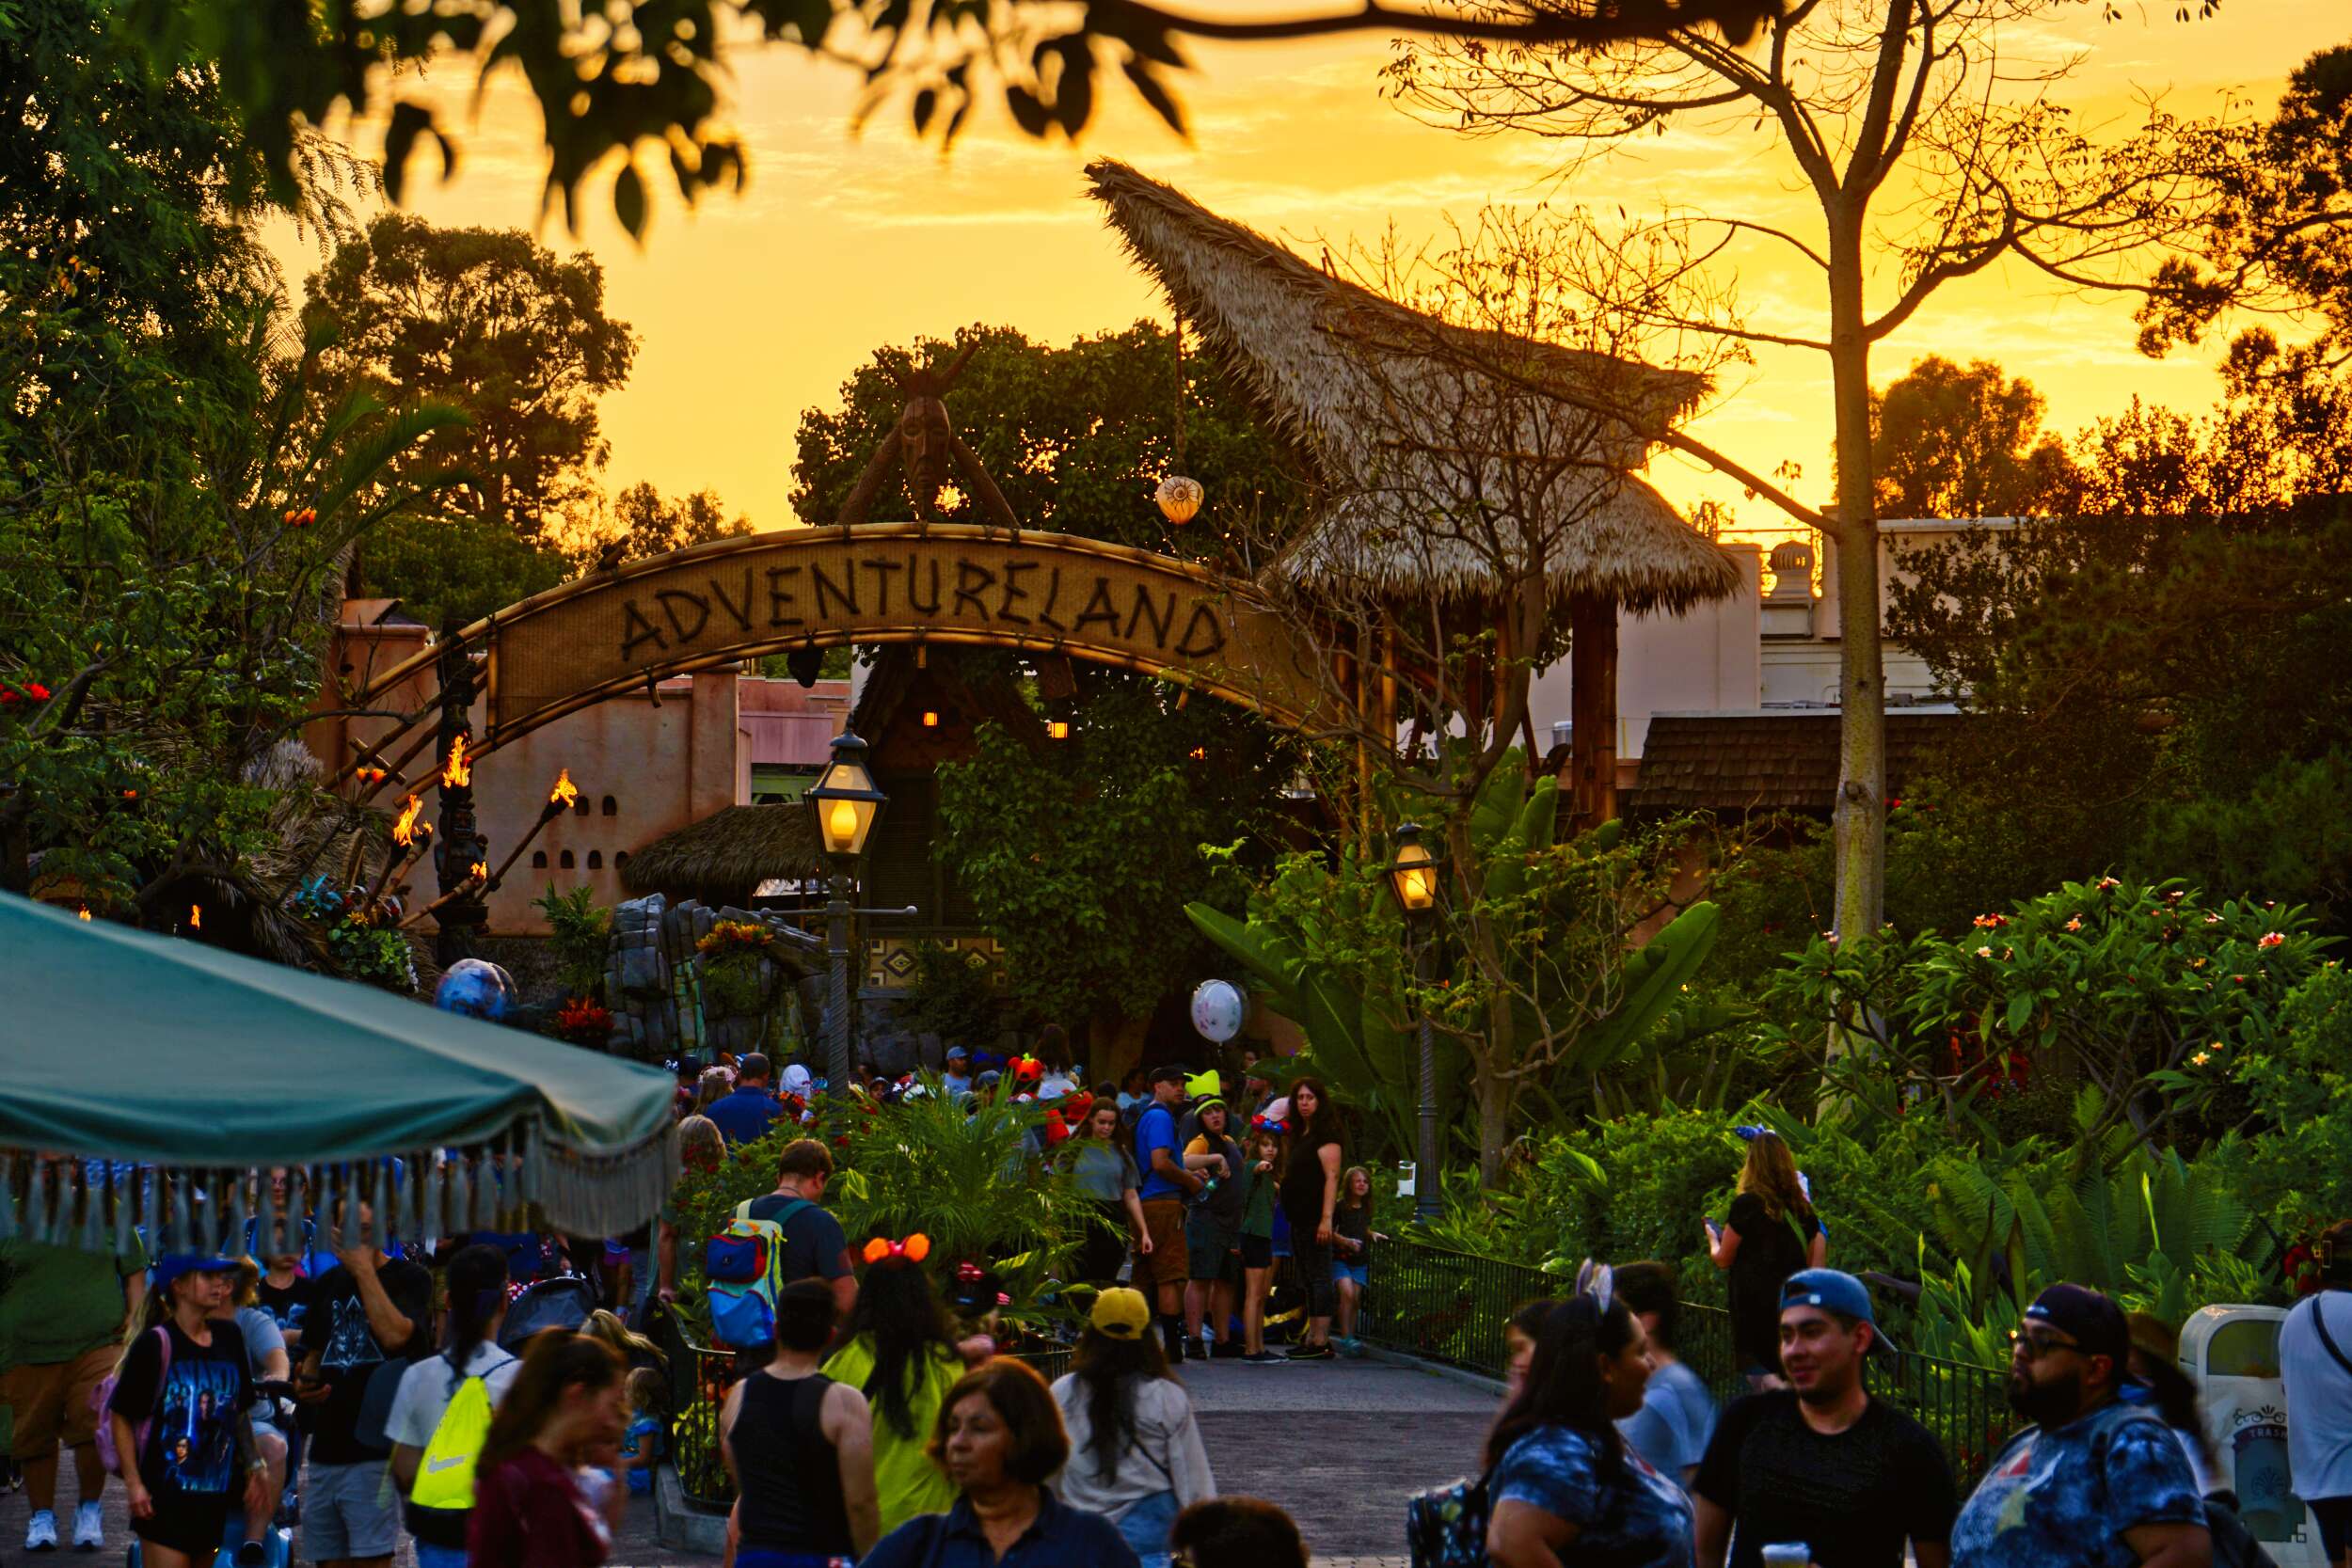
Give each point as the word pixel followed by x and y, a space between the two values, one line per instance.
pixel 2141 992
pixel 2299 1081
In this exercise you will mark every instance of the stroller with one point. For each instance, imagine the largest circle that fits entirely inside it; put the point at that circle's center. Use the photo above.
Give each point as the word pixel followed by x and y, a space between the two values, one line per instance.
pixel 563 1302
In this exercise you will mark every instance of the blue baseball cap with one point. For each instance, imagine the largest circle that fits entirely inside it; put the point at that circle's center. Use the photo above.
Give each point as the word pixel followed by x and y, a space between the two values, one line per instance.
pixel 172 1266
pixel 1832 1291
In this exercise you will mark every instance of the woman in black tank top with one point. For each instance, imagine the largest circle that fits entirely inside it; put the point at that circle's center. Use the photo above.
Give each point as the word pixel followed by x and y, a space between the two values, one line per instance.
pixel 803 1499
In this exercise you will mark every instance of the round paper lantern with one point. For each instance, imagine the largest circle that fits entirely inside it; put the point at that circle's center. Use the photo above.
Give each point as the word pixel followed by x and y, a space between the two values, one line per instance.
pixel 1179 499
pixel 1217 1006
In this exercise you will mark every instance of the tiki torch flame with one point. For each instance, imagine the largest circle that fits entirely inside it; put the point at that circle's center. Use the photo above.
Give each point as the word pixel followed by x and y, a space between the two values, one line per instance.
pixel 564 792
pixel 480 871
pixel 405 825
pixel 458 772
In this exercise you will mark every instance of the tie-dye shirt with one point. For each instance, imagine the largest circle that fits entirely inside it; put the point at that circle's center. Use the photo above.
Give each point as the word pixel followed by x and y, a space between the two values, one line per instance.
pixel 1640 1519
pixel 2064 1499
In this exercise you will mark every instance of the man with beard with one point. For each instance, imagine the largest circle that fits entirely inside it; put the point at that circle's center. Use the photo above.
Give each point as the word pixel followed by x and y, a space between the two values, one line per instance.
pixel 1820 1464
pixel 2095 1482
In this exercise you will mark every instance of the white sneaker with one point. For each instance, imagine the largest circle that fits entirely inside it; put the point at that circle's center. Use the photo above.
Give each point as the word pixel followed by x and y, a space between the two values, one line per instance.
pixel 42 1534
pixel 89 1528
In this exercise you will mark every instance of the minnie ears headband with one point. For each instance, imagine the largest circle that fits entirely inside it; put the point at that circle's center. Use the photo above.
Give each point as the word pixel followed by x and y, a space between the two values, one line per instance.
pixel 913 1249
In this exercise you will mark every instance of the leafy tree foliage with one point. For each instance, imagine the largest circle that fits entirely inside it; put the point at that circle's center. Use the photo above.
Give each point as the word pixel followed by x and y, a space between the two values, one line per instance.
pixel 649 77
pixel 491 322
pixel 176 505
pixel 1076 437
pixel 1949 441
pixel 651 526
pixel 442 565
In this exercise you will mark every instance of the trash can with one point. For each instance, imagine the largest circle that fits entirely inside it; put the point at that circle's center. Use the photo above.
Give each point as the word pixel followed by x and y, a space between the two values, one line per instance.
pixel 2232 1353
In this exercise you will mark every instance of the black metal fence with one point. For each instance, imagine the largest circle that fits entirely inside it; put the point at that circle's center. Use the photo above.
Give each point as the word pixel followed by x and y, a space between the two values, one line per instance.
pixel 1452 1307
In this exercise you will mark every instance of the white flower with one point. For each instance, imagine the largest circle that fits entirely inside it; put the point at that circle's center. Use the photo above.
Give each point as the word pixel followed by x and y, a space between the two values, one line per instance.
pixel 1984 952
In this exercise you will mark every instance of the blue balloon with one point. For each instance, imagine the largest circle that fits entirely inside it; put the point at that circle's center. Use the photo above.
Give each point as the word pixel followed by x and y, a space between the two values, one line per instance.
pixel 477 989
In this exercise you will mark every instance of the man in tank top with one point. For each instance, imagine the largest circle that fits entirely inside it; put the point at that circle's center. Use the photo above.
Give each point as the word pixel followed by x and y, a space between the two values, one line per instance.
pixel 801 1448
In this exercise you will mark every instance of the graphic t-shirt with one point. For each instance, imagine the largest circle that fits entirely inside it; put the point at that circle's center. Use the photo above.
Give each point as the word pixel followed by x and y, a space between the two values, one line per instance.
pixel 1636 1519
pixel 2064 1499
pixel 288 1303
pixel 335 1330
pixel 1854 1497
pixel 1156 1130
pixel 190 1456
pixel 814 1246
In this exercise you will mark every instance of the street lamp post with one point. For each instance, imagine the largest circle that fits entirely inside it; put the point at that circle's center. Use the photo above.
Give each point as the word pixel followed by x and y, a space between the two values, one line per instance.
pixel 844 803
pixel 1413 877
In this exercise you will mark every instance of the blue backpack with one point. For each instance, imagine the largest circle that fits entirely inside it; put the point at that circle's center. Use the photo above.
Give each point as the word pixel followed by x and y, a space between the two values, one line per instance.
pixel 1446 1526
pixel 744 1266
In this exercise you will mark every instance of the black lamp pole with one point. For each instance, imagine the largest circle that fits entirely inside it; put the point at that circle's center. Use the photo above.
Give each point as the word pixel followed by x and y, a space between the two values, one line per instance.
pixel 1413 879
pixel 844 803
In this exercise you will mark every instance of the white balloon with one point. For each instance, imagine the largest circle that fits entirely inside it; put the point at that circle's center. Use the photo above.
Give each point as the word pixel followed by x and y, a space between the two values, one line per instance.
pixel 1217 1008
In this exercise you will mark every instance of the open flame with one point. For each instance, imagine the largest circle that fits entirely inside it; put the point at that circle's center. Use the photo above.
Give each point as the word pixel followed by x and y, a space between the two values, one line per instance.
pixel 480 871
pixel 458 772
pixel 564 792
pixel 195 917
pixel 405 825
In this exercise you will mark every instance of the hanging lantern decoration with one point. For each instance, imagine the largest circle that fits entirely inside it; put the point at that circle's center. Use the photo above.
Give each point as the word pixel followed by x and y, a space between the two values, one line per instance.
pixel 1179 499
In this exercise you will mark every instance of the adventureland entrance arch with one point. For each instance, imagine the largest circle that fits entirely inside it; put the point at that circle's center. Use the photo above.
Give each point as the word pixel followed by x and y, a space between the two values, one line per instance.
pixel 709 606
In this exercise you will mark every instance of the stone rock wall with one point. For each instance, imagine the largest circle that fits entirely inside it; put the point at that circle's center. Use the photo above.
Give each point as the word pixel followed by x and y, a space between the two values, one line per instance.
pixel 653 943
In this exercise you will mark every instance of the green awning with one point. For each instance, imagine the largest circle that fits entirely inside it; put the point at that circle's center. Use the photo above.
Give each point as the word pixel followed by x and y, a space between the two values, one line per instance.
pixel 124 1046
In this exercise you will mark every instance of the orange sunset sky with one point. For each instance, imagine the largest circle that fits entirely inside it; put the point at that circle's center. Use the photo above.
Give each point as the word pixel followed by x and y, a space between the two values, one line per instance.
pixel 750 309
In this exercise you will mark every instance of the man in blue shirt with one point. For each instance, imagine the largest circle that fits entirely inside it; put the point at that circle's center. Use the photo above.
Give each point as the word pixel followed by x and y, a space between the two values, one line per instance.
pixel 958 1080
pixel 744 1114
pixel 2095 1482
pixel 1166 1183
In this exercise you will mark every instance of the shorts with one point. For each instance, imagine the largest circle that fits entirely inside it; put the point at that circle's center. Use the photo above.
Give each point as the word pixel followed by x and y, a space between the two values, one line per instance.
pixel 1257 1252
pixel 2335 1525
pixel 1208 1248
pixel 1359 1273
pixel 350 1510
pixel 1164 1217
pixel 51 1401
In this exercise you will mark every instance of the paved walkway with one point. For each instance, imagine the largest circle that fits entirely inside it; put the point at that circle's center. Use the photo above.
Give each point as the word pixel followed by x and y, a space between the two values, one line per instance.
pixel 1338 1444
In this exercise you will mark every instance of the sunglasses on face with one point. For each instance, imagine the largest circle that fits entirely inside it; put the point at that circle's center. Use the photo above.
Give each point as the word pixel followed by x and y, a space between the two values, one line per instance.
pixel 2033 1347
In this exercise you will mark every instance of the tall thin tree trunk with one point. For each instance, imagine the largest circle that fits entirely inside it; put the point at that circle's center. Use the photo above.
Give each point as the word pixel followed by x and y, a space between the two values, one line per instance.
pixel 1114 1044
pixel 1494 1124
pixel 1858 821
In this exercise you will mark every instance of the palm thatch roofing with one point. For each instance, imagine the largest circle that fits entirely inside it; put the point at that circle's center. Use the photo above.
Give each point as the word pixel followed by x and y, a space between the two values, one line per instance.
pixel 723 858
pixel 1344 374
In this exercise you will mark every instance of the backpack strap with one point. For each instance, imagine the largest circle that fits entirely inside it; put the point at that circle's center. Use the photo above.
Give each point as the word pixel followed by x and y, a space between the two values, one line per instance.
pixel 2319 1321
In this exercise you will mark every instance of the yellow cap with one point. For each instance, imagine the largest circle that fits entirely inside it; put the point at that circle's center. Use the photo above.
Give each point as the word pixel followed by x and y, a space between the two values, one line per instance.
pixel 1121 1313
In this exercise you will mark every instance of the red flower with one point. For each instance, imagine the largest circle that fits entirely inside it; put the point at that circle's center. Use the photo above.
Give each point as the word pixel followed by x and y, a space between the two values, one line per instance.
pixel 37 692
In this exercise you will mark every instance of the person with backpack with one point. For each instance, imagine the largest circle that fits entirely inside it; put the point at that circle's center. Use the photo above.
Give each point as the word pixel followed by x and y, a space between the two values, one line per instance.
pixel 811 1243
pixel 442 1416
pixel 178 1418
pixel 1770 1233
pixel 800 1446
pixel 902 1355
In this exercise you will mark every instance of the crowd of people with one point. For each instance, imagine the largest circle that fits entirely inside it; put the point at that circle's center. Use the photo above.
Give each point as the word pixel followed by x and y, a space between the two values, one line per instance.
pixel 375 1397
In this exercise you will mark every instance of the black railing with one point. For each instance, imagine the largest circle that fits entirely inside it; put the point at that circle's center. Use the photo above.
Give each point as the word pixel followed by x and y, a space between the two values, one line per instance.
pixel 1452 1307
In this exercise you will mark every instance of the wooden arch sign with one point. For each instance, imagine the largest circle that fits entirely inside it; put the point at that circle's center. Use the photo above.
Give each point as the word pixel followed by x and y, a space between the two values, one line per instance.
pixel 712 605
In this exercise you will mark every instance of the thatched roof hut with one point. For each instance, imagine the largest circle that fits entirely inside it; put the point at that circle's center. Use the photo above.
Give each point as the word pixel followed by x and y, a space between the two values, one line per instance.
pixel 1338 370
pixel 723 858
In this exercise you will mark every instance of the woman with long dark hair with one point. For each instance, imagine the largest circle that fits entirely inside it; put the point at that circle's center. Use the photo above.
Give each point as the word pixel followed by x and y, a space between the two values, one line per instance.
pixel 1135 1454
pixel 1000 1440
pixel 902 1354
pixel 440 1509
pixel 1103 1164
pixel 1311 1190
pixel 1770 1234
pixel 1565 1488
pixel 566 1408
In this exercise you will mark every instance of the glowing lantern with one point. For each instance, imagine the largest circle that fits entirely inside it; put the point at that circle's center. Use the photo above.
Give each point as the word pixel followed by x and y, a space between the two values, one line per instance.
pixel 845 800
pixel 1179 499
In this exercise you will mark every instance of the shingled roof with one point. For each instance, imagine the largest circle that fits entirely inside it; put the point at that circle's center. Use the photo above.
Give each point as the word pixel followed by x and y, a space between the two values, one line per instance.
pixel 1328 362
pixel 1741 764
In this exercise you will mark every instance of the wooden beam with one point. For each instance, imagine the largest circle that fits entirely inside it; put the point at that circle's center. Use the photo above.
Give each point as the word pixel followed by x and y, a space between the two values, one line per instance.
pixel 1593 708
